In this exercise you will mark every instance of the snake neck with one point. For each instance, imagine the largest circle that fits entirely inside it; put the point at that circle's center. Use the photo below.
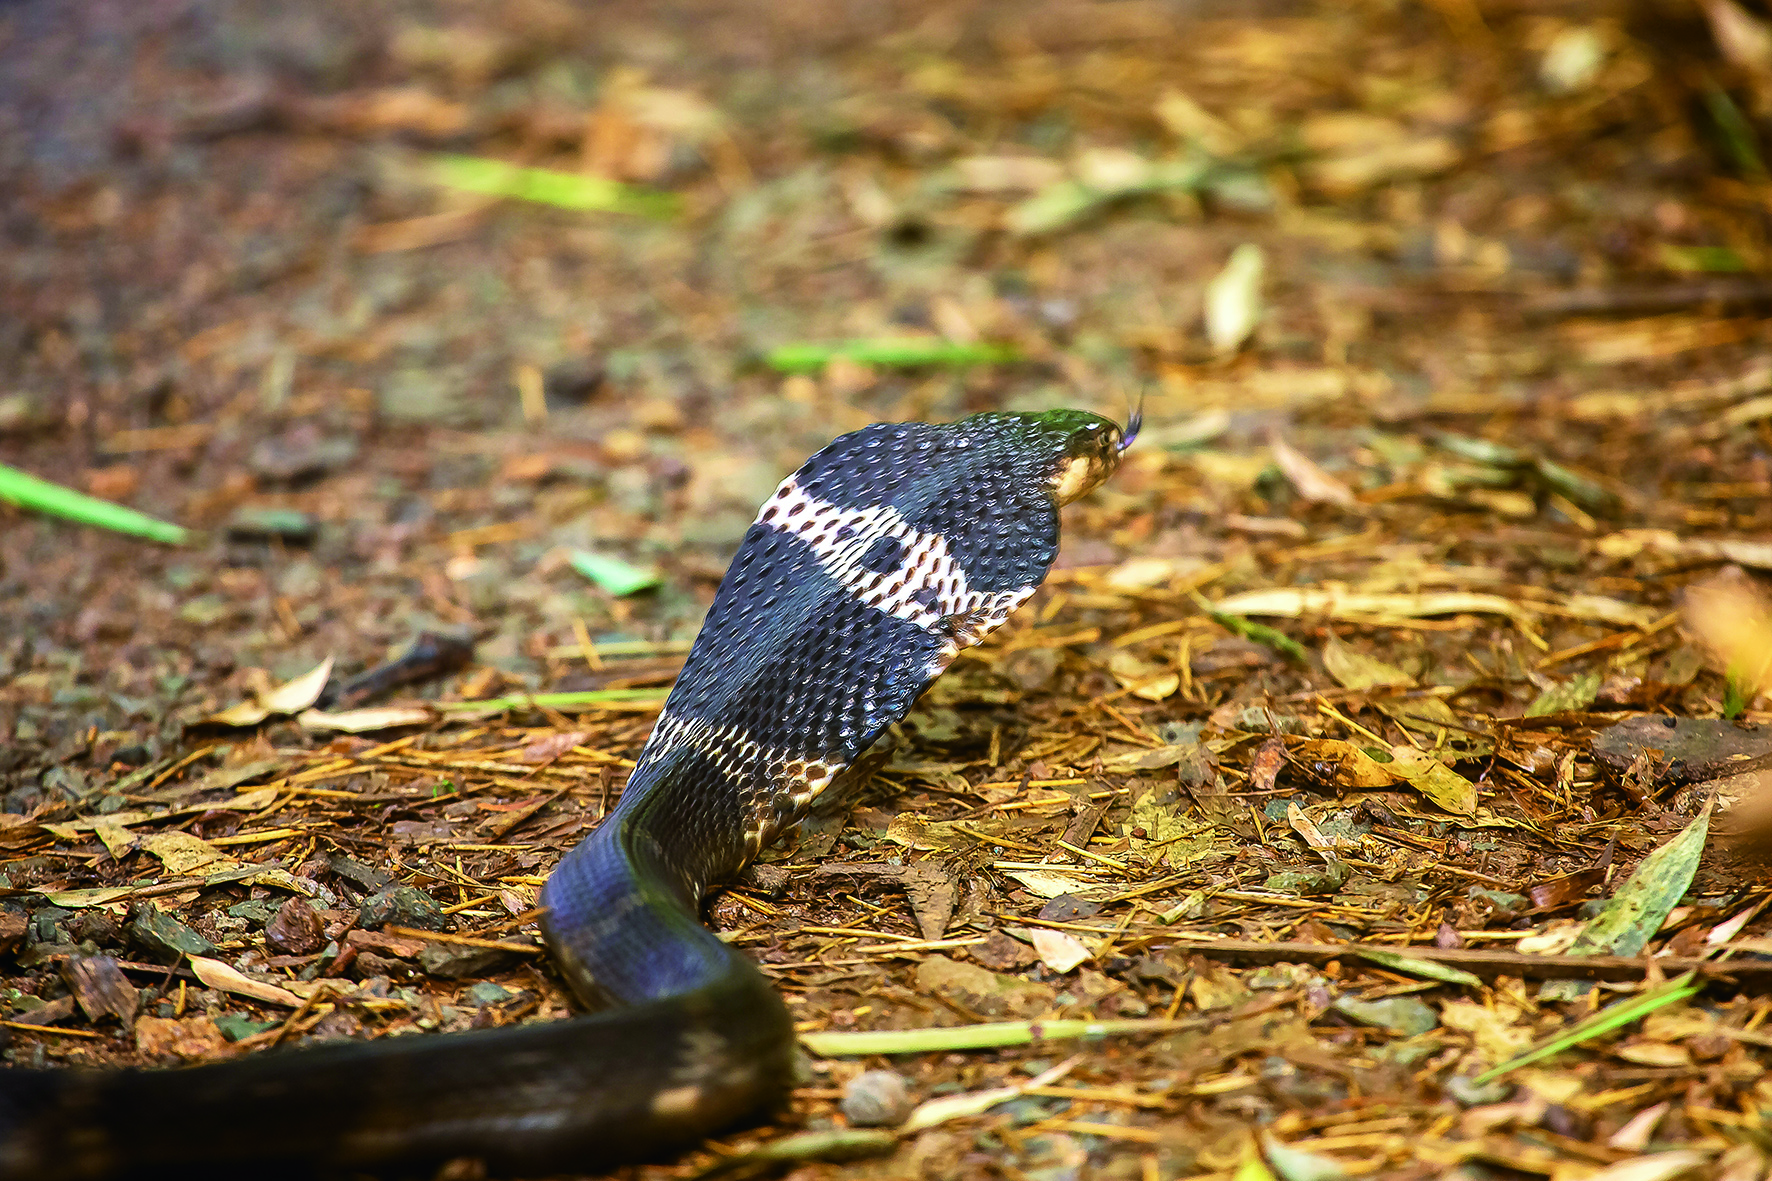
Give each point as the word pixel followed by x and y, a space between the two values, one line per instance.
pixel 622 910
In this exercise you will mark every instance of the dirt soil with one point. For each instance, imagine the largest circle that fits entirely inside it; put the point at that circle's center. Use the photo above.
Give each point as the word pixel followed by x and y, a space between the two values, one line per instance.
pixel 1391 635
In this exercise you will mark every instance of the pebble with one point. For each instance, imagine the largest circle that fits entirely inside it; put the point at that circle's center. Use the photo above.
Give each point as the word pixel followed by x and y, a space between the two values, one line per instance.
pixel 876 1099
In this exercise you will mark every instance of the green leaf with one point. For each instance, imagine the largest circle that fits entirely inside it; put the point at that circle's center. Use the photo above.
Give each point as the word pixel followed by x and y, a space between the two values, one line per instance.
pixel 618 577
pixel 1735 694
pixel 1405 1016
pixel 28 492
pixel 1354 669
pixel 1737 132
pixel 1633 914
pixel 835 1144
pixel 1416 965
pixel 1578 489
pixel 1570 697
pixel 903 352
pixel 236 1026
pixel 1712 259
pixel 545 186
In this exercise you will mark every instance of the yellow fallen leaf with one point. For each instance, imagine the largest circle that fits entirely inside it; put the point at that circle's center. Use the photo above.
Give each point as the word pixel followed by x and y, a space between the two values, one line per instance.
pixel 1292 602
pixel 1233 299
pixel 182 853
pixel 288 698
pixel 1051 885
pixel 81 899
pixel 116 838
pixel 1628 543
pixel 1343 763
pixel 1357 670
pixel 1143 678
pixel 1435 780
pixel 1657 1166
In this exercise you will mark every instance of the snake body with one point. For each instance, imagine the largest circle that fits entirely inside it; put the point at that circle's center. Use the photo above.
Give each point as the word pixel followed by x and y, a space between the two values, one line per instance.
pixel 863 576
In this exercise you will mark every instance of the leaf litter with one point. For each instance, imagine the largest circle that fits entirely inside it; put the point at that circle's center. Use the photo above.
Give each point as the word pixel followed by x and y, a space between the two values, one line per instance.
pixel 1343 802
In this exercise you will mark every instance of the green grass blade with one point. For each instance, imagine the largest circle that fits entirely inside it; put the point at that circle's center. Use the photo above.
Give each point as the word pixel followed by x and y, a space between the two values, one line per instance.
pixel 588 699
pixel 545 186
pixel 850 1043
pixel 1605 1021
pixel 1259 633
pixel 28 492
pixel 889 352
pixel 618 577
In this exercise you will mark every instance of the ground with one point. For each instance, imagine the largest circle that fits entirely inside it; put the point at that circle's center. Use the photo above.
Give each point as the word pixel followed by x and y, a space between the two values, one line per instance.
pixel 1446 321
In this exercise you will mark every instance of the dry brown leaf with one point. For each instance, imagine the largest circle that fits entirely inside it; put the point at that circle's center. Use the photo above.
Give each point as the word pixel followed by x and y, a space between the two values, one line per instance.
pixel 190 1039
pixel 1310 481
pixel 288 698
pixel 216 974
pixel 363 721
pixel 1058 951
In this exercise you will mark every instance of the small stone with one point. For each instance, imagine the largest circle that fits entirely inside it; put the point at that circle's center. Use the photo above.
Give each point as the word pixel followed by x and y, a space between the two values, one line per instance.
pixel 1465 1091
pixel 368 966
pixel 97 925
pixel 1404 1016
pixel 336 1026
pixel 1002 953
pixel 876 1099
pixel 13 925
pixel 1068 908
pixel 487 993
pixel 572 382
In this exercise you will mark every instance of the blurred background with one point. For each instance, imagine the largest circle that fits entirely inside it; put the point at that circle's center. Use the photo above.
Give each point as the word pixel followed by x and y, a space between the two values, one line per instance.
pixel 264 273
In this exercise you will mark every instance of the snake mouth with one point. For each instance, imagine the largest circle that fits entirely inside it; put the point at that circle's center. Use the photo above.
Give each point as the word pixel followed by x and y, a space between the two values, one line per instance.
pixel 1091 454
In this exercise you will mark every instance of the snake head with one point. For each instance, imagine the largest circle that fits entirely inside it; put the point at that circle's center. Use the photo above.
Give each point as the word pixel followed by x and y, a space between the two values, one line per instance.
pixel 1086 448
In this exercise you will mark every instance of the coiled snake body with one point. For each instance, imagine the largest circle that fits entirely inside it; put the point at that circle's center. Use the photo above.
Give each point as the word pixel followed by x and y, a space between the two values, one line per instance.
pixel 864 575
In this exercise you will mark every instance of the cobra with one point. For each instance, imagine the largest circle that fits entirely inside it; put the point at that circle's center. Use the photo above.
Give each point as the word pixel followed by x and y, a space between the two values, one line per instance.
pixel 862 578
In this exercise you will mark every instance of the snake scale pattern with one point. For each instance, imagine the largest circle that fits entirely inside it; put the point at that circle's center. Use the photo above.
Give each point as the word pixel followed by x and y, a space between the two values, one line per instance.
pixel 863 576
